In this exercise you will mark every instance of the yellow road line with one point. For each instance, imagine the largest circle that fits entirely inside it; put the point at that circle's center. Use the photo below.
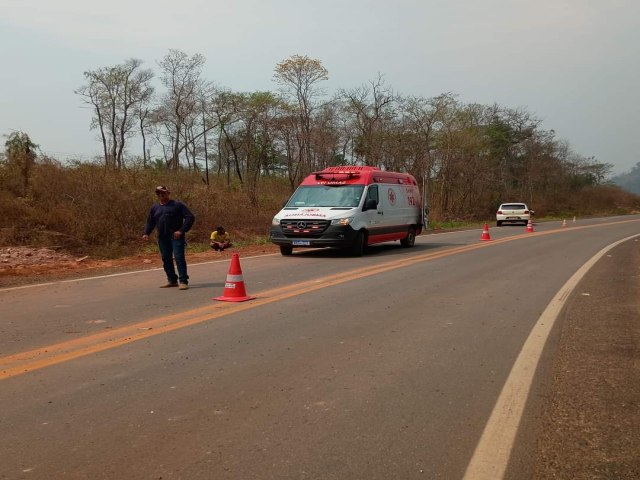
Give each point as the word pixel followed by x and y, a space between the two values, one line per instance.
pixel 24 362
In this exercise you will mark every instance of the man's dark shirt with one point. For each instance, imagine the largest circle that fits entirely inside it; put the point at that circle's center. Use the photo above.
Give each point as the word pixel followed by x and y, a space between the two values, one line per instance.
pixel 170 217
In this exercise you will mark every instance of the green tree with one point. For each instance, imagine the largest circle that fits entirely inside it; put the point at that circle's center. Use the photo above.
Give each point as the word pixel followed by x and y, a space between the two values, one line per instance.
pixel 20 153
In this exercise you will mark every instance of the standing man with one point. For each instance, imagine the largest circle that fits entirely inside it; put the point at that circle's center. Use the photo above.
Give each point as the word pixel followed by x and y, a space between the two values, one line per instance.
pixel 173 220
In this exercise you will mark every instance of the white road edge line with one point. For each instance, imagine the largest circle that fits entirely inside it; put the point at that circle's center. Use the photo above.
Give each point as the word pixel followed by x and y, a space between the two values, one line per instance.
pixel 491 456
pixel 84 279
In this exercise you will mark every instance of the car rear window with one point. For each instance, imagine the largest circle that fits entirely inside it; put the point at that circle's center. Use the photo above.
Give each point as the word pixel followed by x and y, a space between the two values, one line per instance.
pixel 513 206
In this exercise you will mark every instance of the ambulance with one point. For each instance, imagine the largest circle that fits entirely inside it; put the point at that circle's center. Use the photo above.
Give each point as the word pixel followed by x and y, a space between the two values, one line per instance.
pixel 350 207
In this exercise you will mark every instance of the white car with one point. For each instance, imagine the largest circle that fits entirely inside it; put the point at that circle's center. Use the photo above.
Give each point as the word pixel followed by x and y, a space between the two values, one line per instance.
pixel 513 213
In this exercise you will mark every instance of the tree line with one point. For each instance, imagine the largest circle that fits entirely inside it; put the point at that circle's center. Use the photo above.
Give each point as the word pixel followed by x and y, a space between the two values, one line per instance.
pixel 234 157
pixel 470 154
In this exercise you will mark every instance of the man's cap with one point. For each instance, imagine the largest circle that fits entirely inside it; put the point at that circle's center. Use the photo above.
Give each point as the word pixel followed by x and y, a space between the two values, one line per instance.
pixel 162 188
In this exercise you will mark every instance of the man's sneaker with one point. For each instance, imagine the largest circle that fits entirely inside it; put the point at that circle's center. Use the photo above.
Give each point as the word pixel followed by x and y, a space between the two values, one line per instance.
pixel 169 284
pixel 184 286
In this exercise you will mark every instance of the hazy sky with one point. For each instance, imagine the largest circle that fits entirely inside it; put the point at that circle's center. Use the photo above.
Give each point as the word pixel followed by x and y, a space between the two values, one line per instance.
pixel 575 64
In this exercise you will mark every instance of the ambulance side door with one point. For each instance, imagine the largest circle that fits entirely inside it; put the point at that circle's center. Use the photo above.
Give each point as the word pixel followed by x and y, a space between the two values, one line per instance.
pixel 374 216
pixel 389 203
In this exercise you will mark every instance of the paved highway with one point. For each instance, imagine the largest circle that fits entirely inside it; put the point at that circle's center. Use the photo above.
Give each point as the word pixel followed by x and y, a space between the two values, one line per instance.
pixel 393 365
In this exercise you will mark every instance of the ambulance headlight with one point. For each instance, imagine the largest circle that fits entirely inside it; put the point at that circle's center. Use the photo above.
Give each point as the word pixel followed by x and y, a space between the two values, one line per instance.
pixel 275 221
pixel 341 221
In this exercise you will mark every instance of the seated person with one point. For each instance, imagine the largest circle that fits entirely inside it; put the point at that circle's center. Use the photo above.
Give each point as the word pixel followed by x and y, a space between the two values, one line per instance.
pixel 220 239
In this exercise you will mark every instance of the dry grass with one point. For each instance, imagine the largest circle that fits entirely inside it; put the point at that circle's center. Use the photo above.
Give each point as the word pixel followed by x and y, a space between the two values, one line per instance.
pixel 591 201
pixel 87 210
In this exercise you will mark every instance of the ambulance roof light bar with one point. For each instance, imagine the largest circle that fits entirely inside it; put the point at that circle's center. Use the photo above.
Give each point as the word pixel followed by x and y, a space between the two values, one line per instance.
pixel 346 171
pixel 332 175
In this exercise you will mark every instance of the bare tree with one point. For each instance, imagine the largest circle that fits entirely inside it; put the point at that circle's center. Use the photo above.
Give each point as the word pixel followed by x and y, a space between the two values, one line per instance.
pixel 423 119
pixel 114 94
pixel 299 77
pixel 181 76
pixel 143 113
pixel 288 135
pixel 227 108
pixel 206 95
pixel 372 108
pixel 259 111
pixel 326 137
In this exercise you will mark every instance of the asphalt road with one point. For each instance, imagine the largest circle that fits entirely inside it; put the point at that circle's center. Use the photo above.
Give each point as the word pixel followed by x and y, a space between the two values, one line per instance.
pixel 381 367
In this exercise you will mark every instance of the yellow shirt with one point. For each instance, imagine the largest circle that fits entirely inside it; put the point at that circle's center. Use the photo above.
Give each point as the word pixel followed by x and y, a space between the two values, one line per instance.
pixel 216 237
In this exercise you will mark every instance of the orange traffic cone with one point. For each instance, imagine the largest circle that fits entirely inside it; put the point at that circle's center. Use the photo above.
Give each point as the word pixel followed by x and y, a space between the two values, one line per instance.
pixel 485 233
pixel 234 290
pixel 529 228
pixel 564 223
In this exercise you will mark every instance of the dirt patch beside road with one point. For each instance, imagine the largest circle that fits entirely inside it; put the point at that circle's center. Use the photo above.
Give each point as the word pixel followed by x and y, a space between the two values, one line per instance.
pixel 27 265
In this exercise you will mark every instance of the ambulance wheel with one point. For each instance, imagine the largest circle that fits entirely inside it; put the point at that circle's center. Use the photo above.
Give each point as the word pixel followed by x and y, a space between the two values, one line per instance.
pixel 359 244
pixel 286 249
pixel 410 239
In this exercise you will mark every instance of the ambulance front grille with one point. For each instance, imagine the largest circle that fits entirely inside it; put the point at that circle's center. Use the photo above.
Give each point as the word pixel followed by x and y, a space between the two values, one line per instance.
pixel 304 228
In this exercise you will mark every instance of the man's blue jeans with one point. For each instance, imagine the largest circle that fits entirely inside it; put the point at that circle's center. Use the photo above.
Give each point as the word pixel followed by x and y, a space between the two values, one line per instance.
pixel 171 248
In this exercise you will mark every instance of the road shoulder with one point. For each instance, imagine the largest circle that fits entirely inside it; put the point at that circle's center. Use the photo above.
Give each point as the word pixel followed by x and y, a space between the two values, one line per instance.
pixel 591 419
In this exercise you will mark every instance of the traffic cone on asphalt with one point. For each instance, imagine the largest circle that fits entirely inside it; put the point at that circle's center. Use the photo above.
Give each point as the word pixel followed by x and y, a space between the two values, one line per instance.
pixel 234 290
pixel 485 233
pixel 564 223
pixel 529 228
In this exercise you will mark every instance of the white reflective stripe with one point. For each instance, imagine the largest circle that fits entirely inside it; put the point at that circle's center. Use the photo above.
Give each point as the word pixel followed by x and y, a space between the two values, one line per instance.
pixel 234 278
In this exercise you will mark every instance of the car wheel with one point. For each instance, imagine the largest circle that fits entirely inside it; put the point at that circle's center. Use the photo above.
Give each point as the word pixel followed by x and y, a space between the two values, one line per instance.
pixel 359 244
pixel 499 223
pixel 286 249
pixel 410 239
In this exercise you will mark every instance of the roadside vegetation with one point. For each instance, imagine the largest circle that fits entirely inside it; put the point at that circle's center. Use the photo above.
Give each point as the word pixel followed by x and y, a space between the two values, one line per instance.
pixel 234 157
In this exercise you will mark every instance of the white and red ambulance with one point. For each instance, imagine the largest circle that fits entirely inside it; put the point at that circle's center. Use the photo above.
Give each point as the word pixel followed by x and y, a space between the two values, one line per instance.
pixel 350 207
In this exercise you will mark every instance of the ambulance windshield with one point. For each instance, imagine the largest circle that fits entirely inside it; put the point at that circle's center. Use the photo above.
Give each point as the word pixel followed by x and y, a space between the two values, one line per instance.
pixel 326 196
